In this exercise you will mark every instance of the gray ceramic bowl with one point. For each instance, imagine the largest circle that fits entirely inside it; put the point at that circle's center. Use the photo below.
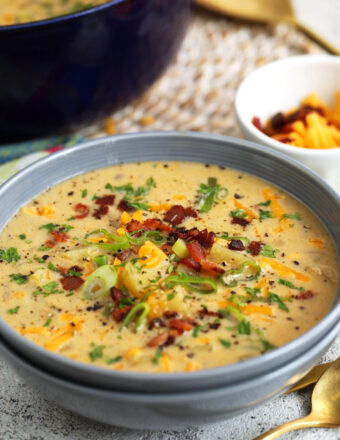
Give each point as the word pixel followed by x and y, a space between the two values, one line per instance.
pixel 267 164
pixel 166 410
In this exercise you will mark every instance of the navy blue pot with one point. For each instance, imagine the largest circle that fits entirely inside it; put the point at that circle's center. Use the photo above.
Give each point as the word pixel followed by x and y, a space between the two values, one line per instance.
pixel 59 74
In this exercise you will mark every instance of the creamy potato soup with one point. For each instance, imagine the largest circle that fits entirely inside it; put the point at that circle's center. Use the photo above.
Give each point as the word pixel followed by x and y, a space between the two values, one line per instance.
pixel 165 267
pixel 23 11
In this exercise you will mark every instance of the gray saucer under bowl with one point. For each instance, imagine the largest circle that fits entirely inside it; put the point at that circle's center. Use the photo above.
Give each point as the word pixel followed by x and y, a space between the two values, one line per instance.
pixel 158 411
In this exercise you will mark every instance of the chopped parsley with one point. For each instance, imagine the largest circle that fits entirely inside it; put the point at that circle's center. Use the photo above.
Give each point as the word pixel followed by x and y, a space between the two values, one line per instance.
pixel 134 195
pixel 83 193
pixel 268 251
pixel 48 322
pixel 74 273
pixel 9 255
pixel 48 289
pixel 13 311
pixel 267 345
pixel 52 227
pixel 198 328
pixel 239 213
pixel 291 285
pixel 264 215
pixel 252 291
pixel 96 353
pixel 51 266
pixel 114 360
pixel 39 260
pixel 225 343
pixel 22 236
pixel 19 278
pixel 157 356
pixel 209 194
pixel 266 203
pixel 275 298
pixel 295 216
pixel 170 296
pixel 244 327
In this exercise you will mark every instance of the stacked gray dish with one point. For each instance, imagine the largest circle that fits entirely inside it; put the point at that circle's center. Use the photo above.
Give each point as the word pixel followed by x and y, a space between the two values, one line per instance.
pixel 177 400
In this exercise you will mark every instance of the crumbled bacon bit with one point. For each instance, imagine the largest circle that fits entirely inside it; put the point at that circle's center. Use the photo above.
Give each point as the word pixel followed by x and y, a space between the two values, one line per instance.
pixel 257 123
pixel 170 314
pixel 117 295
pixel 205 238
pixel 49 244
pixel 176 214
pixel 255 247
pixel 204 311
pixel 196 251
pixel 152 224
pixel 119 314
pixel 189 262
pixel 71 283
pixel 102 210
pixel 105 200
pixel 125 255
pixel 212 267
pixel 82 210
pixel 134 226
pixel 191 212
pixel 60 236
pixel 167 248
pixel 159 340
pixel 305 295
pixel 236 245
pixel 240 221
pixel 124 205
pixel 180 325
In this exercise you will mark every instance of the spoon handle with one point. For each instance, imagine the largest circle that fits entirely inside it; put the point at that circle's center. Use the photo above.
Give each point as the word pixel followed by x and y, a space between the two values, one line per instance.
pixel 305 422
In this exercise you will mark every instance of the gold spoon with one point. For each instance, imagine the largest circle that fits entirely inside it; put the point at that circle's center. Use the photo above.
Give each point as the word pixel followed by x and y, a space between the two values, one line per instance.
pixel 265 11
pixel 325 406
pixel 312 377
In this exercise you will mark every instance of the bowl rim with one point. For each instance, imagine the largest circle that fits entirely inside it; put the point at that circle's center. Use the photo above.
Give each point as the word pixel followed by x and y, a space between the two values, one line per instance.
pixel 225 370
pixel 60 18
pixel 177 396
pixel 263 138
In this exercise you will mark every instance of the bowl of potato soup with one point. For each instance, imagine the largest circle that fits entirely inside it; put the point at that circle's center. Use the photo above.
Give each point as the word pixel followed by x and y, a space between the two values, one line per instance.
pixel 65 64
pixel 169 263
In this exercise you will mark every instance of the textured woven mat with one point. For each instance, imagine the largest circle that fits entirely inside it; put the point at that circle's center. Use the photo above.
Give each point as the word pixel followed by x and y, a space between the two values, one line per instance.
pixel 197 91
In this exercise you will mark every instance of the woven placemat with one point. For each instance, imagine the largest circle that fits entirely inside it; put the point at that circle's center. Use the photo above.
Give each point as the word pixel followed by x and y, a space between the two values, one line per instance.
pixel 197 91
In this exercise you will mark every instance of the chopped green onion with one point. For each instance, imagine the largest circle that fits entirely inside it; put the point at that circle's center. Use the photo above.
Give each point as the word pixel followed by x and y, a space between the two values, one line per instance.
pixel 244 327
pixel 141 307
pixel 267 345
pixel 100 282
pixel 192 283
pixel 249 270
pixel 291 285
pixel 101 260
pixel 226 236
pixel 180 248
pixel 252 291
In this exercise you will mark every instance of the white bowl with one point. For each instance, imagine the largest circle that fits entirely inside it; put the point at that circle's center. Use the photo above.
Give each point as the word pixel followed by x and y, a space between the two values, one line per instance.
pixel 280 86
